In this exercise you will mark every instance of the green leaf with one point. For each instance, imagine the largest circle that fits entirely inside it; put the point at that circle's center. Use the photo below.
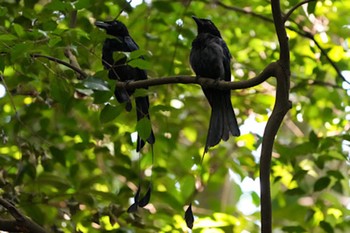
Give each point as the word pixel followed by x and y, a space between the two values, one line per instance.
pixel 311 6
pixel 326 227
pixel 295 191
pixel 187 185
pixel 322 183
pixel 163 6
pixel 96 84
pixel 110 112
pixel 54 181
pixel 336 174
pixel 293 229
pixel 20 51
pixel 313 138
pixel 58 5
pixel 18 29
pixel 140 63
pixel 81 4
pixel 101 97
pixel 7 37
pixel 61 90
pixel 119 56
pixel 137 53
pixel 144 128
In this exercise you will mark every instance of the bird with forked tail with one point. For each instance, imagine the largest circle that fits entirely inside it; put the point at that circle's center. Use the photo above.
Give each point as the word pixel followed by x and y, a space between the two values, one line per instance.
pixel 210 58
pixel 121 71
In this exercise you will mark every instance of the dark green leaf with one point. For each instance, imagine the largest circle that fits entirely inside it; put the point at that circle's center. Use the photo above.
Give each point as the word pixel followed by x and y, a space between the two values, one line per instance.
pixel 82 4
pixel 313 138
pixel 311 6
pixel 295 191
pixel 110 112
pixel 54 181
pixel 96 84
pixel 61 90
pixel 101 97
pixel 322 183
pixel 293 229
pixel 326 227
pixel 336 174
pixel 163 6
pixel 144 128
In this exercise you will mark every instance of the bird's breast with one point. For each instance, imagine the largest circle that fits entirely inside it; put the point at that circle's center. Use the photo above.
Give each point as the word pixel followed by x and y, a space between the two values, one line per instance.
pixel 206 58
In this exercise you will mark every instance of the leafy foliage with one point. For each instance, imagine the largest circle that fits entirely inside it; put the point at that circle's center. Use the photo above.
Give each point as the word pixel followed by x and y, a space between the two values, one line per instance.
pixel 67 151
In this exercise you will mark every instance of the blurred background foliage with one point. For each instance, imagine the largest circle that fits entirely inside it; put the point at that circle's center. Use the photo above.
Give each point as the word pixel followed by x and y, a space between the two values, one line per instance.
pixel 67 152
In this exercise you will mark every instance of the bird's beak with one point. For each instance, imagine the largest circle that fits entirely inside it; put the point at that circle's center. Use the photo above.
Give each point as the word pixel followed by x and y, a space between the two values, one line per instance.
pixel 101 24
pixel 196 19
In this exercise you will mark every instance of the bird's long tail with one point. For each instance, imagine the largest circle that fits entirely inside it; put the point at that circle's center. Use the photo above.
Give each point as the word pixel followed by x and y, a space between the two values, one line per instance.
pixel 142 105
pixel 223 121
pixel 123 96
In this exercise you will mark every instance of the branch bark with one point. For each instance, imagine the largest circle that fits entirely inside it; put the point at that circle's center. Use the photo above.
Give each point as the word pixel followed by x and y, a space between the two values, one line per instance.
pixel 280 109
pixel 21 222
pixel 299 31
pixel 76 69
pixel 204 82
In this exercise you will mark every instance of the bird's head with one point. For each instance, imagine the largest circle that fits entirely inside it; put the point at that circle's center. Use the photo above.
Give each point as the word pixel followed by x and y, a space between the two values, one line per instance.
pixel 206 26
pixel 113 28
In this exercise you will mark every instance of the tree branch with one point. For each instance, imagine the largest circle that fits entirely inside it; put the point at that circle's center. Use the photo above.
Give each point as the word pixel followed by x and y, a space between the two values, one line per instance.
pixel 285 18
pixel 21 222
pixel 300 32
pixel 204 82
pixel 76 69
pixel 280 109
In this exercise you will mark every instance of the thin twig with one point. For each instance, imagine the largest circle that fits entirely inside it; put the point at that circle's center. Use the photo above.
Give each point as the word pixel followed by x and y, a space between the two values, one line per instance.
pixel 299 31
pixel 82 73
pixel 285 18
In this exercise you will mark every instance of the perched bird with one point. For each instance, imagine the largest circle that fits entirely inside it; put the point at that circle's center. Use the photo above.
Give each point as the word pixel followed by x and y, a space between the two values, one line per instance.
pixel 210 58
pixel 120 70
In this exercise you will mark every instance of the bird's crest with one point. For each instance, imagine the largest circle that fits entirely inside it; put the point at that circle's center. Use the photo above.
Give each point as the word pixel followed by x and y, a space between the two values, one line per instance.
pixel 206 26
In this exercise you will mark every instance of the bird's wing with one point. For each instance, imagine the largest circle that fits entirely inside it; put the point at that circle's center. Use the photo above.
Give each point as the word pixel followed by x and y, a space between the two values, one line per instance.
pixel 132 46
pixel 226 60
pixel 130 43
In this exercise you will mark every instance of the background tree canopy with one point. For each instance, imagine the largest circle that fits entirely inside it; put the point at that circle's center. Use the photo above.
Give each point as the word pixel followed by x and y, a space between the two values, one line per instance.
pixel 67 153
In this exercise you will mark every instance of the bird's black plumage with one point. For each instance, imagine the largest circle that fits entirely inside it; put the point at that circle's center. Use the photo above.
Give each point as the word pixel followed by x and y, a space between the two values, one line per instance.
pixel 210 58
pixel 119 70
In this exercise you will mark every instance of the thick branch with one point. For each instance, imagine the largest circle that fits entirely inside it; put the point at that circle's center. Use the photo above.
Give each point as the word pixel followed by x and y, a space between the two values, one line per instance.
pixel 204 82
pixel 76 69
pixel 280 109
pixel 21 222
pixel 281 34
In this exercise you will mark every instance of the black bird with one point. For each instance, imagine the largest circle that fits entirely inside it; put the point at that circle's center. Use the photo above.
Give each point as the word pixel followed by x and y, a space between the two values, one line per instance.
pixel 210 58
pixel 119 70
